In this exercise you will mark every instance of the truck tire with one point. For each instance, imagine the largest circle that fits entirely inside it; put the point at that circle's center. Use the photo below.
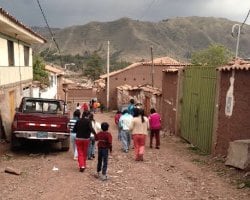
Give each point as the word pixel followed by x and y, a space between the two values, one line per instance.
pixel 15 143
pixel 65 144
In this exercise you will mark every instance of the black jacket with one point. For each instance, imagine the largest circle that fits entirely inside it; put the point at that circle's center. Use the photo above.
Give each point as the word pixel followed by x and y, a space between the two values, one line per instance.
pixel 83 128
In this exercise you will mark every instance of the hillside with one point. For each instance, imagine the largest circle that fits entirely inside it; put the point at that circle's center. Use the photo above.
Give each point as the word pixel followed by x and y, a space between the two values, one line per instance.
pixel 130 40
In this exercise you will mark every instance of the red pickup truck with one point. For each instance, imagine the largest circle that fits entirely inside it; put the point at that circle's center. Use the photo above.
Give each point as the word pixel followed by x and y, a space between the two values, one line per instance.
pixel 40 119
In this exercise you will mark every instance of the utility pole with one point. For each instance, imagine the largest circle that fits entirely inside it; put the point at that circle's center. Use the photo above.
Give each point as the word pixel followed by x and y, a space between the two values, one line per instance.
pixel 152 67
pixel 108 78
pixel 238 38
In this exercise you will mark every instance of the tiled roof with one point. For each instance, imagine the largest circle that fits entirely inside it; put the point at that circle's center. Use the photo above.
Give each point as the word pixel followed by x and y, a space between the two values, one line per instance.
pixel 146 88
pixel 237 64
pixel 164 61
pixel 54 70
pixel 173 68
pixel 18 23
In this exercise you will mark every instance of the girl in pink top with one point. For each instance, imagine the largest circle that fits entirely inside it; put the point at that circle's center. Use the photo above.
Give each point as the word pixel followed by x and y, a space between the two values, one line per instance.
pixel 155 127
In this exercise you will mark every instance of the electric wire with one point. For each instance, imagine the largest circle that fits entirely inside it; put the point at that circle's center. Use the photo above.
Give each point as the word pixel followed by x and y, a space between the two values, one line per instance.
pixel 149 7
pixel 245 19
pixel 50 31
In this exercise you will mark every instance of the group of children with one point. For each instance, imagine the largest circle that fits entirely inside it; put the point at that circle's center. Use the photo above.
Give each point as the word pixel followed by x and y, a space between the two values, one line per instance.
pixel 84 132
pixel 132 124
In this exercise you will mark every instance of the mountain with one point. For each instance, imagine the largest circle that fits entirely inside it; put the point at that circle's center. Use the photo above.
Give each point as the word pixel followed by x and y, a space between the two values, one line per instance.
pixel 130 40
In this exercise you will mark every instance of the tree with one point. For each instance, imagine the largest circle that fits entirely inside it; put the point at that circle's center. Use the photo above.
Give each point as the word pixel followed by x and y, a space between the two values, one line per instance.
pixel 39 73
pixel 94 67
pixel 214 56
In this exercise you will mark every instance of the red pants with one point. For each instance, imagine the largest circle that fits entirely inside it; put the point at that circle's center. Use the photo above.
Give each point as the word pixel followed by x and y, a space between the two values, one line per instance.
pixel 156 134
pixel 139 145
pixel 82 149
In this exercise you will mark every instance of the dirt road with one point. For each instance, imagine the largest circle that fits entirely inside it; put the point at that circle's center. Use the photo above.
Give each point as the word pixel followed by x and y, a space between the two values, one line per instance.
pixel 173 172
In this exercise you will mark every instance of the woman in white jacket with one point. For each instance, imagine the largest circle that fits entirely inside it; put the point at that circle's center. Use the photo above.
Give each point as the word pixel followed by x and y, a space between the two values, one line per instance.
pixel 139 128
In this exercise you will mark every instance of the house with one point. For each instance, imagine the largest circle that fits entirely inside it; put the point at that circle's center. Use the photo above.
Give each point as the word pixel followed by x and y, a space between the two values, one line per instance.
pixel 141 73
pixel 55 79
pixel 233 107
pixel 79 94
pixel 148 96
pixel 16 72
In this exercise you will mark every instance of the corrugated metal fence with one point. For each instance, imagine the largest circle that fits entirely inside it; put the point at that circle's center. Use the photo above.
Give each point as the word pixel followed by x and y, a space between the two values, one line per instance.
pixel 197 106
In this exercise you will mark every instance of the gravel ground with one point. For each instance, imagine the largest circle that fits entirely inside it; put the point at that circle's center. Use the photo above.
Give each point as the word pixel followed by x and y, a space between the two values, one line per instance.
pixel 175 171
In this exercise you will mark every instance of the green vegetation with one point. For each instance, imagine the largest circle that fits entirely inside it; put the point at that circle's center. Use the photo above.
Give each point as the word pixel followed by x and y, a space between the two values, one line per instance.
pixel 39 73
pixel 90 65
pixel 214 56
pixel 197 151
pixel 94 67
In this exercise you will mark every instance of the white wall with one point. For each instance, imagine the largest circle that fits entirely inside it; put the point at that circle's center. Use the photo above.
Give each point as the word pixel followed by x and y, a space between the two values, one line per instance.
pixel 51 91
pixel 18 54
pixel 17 73
pixel 12 74
pixel 3 52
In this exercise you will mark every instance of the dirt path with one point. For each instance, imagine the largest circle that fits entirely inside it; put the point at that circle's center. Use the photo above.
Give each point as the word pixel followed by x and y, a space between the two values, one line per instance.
pixel 173 172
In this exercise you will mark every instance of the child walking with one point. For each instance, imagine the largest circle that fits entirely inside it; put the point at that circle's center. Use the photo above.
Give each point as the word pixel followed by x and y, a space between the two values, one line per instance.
pixel 104 139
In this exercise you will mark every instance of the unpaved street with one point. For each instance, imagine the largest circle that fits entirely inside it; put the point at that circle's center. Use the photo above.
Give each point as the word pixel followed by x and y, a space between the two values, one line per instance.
pixel 173 172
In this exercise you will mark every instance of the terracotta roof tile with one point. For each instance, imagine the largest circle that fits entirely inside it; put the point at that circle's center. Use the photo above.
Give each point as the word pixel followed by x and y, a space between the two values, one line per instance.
pixel 173 68
pixel 238 64
pixel 146 88
pixel 164 61
pixel 54 70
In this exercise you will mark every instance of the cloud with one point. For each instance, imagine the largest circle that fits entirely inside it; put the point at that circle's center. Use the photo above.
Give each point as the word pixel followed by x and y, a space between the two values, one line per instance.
pixel 63 13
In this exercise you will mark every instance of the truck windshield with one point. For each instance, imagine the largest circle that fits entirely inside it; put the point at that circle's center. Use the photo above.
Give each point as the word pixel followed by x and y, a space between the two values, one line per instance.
pixel 42 106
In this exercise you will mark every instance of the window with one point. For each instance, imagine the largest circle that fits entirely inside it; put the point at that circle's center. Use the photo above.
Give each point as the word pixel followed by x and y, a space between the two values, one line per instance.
pixel 26 55
pixel 11 53
pixel 51 81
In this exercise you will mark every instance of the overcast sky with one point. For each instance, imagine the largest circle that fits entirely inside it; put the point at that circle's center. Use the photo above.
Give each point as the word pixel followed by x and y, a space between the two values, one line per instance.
pixel 63 13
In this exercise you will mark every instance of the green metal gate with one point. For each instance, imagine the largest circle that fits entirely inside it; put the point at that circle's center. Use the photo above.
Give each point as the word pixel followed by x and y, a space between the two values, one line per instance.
pixel 198 104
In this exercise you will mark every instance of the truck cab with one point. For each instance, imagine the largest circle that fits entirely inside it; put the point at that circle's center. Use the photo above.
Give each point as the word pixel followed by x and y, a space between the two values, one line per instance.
pixel 41 119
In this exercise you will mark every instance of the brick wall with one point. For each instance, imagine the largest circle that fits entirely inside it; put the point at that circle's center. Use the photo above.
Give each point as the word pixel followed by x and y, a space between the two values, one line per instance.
pixel 138 75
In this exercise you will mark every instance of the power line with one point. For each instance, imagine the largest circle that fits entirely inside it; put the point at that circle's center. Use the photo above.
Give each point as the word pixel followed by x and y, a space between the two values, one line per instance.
pixel 245 19
pixel 50 31
pixel 149 7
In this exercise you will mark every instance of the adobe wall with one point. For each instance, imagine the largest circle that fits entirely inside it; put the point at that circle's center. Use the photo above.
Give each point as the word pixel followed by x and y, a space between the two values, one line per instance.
pixel 79 95
pixel 238 125
pixel 139 75
pixel 169 95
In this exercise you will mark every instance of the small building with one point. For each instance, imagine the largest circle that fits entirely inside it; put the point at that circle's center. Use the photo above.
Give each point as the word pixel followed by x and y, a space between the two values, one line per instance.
pixel 16 71
pixel 147 96
pixel 55 79
pixel 79 94
pixel 141 73
pixel 233 105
